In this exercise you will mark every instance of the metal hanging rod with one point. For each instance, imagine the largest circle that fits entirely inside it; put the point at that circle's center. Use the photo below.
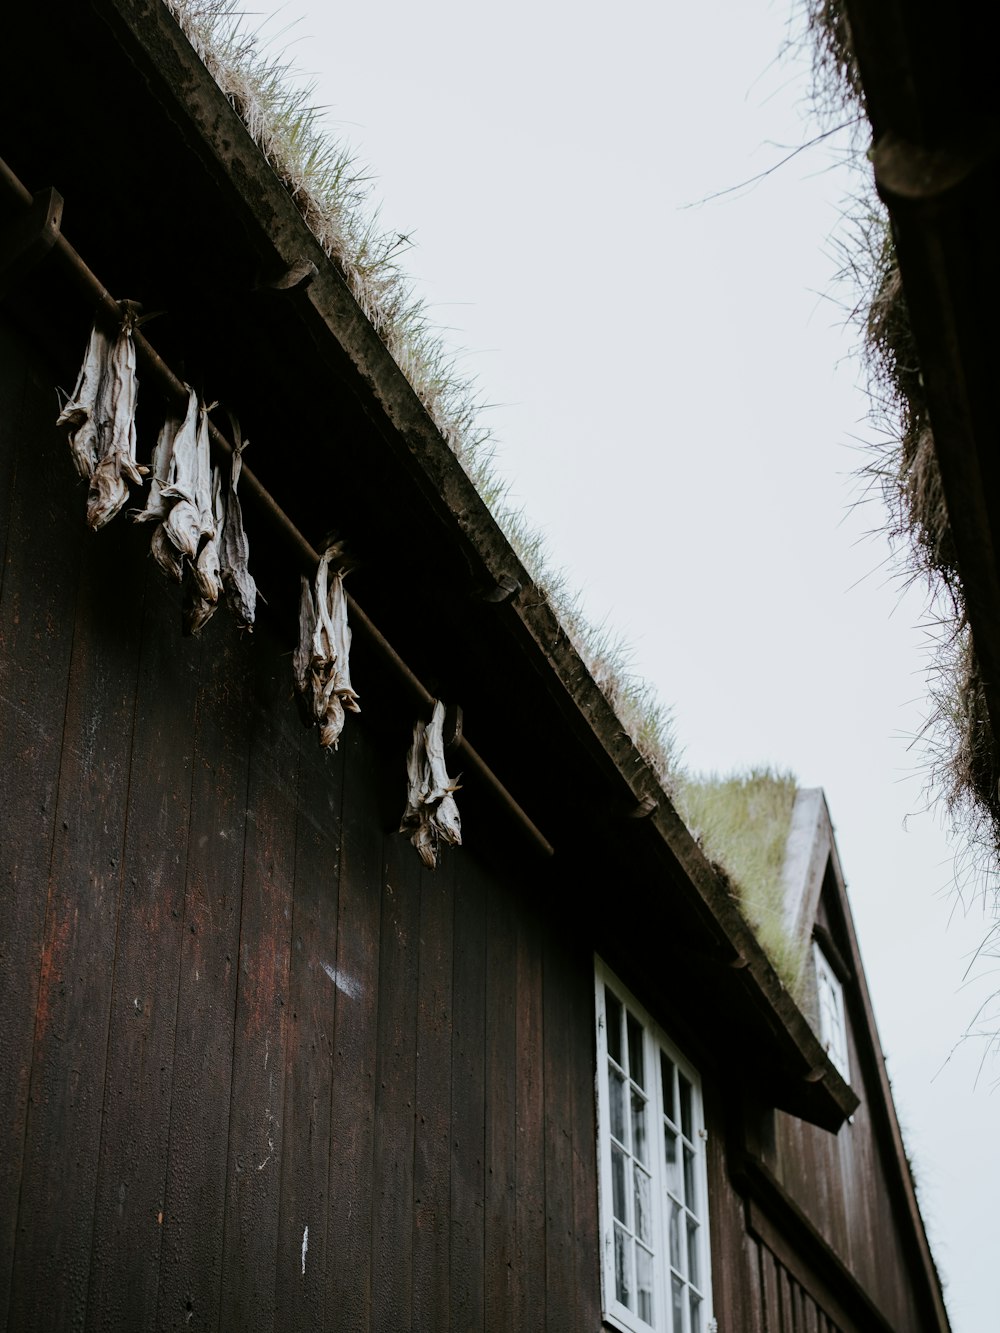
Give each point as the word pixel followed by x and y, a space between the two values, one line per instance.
pixel 38 232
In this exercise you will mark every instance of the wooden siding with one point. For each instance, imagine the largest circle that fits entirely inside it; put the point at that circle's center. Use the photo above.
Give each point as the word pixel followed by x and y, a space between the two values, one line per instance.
pixel 259 1069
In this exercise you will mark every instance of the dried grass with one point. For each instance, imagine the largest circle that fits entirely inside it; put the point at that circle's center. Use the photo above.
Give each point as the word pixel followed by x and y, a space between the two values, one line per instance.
pixel 742 822
pixel 960 750
pixel 334 196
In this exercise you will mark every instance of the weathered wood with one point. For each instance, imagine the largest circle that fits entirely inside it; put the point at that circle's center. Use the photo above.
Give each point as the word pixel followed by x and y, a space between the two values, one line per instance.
pixel 30 741
pixel 300 1294
pixel 559 1268
pixel 431 1311
pixel 529 1166
pixel 128 1215
pixel 468 1060
pixel 250 1239
pixel 501 1109
pixel 586 1222
pixel 72 970
pixel 392 1175
pixel 195 1193
pixel 352 1123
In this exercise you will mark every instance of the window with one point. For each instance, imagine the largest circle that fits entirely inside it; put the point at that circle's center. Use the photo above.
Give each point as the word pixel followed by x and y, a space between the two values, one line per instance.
pixel 651 1159
pixel 830 1007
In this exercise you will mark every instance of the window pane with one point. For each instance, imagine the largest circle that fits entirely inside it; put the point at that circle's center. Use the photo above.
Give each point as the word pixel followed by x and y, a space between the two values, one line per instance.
pixel 685 1091
pixel 643 1217
pixel 694 1271
pixel 644 1283
pixel 696 1324
pixel 667 1075
pixel 690 1193
pixel 623 1268
pixel 677 1301
pixel 613 1010
pixel 635 1065
pixel 670 1152
pixel 676 1226
pixel 616 1099
pixel 618 1184
pixel 639 1126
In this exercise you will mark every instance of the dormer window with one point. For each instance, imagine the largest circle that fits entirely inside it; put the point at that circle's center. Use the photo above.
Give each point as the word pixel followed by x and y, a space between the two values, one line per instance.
pixel 830 1008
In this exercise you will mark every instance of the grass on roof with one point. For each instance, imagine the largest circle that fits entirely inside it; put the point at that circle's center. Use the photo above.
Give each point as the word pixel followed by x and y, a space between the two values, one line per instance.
pixel 742 823
pixel 333 193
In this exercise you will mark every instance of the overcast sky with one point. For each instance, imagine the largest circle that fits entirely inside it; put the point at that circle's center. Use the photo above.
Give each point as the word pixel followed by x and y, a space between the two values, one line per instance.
pixel 677 407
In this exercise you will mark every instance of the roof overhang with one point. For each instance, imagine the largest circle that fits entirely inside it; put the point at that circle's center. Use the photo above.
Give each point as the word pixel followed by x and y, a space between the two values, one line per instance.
pixel 930 82
pixel 169 194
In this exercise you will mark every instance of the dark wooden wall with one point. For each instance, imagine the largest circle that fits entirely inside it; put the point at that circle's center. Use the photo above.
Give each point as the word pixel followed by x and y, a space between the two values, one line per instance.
pixel 844 1182
pixel 258 1069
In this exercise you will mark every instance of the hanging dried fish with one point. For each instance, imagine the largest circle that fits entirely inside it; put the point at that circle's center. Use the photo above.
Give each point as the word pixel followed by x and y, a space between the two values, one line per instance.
pixel 162 474
pixel 101 418
pixel 321 661
pixel 190 520
pixel 302 657
pixel 78 412
pixel 431 815
pixel 234 549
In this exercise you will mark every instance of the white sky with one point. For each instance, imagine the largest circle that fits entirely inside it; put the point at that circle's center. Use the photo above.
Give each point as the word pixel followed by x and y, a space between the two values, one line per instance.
pixel 678 411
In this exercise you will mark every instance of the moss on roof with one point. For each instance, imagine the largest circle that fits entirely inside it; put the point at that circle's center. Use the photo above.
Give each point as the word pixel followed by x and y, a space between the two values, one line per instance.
pixel 742 822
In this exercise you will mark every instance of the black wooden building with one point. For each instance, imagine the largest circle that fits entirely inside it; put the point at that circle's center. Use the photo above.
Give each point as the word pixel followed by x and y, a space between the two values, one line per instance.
pixel 259 1068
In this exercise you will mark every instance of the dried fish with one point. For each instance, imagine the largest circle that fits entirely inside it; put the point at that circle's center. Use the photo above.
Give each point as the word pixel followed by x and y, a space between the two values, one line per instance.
pixel 431 813
pixel 185 523
pixel 166 555
pixel 162 474
pixel 234 549
pixel 78 411
pixel 114 414
pixel 101 418
pixel 302 657
pixel 321 662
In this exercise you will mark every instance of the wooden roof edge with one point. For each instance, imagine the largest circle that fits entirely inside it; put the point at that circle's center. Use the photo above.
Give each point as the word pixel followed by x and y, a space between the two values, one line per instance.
pixel 883 1112
pixel 936 162
pixel 154 41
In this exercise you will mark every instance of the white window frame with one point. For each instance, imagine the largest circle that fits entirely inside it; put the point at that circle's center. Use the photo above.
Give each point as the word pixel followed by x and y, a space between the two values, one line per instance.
pixel 831 1012
pixel 665 1184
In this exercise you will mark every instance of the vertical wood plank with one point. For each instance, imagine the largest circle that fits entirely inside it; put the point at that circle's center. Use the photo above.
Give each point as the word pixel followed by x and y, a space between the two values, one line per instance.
pixel 769 1285
pixel 302 1251
pixel 559 1267
pixel 255 1129
pixel 501 1109
pixel 37 597
pixel 128 1215
pixel 55 1226
pixel 352 1107
pixel 432 1148
pixel 529 1164
pixel 13 387
pixel 468 1128
pixel 392 1211
pixel 581 1053
pixel 195 1194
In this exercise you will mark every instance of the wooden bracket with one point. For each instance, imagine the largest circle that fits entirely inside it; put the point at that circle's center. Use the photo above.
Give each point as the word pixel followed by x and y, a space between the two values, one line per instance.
pixel 26 241
pixel 296 278
pixel 503 590
pixel 644 809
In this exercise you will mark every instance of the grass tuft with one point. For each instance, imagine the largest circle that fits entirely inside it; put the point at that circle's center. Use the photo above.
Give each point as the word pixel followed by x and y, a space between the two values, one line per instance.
pixel 742 822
